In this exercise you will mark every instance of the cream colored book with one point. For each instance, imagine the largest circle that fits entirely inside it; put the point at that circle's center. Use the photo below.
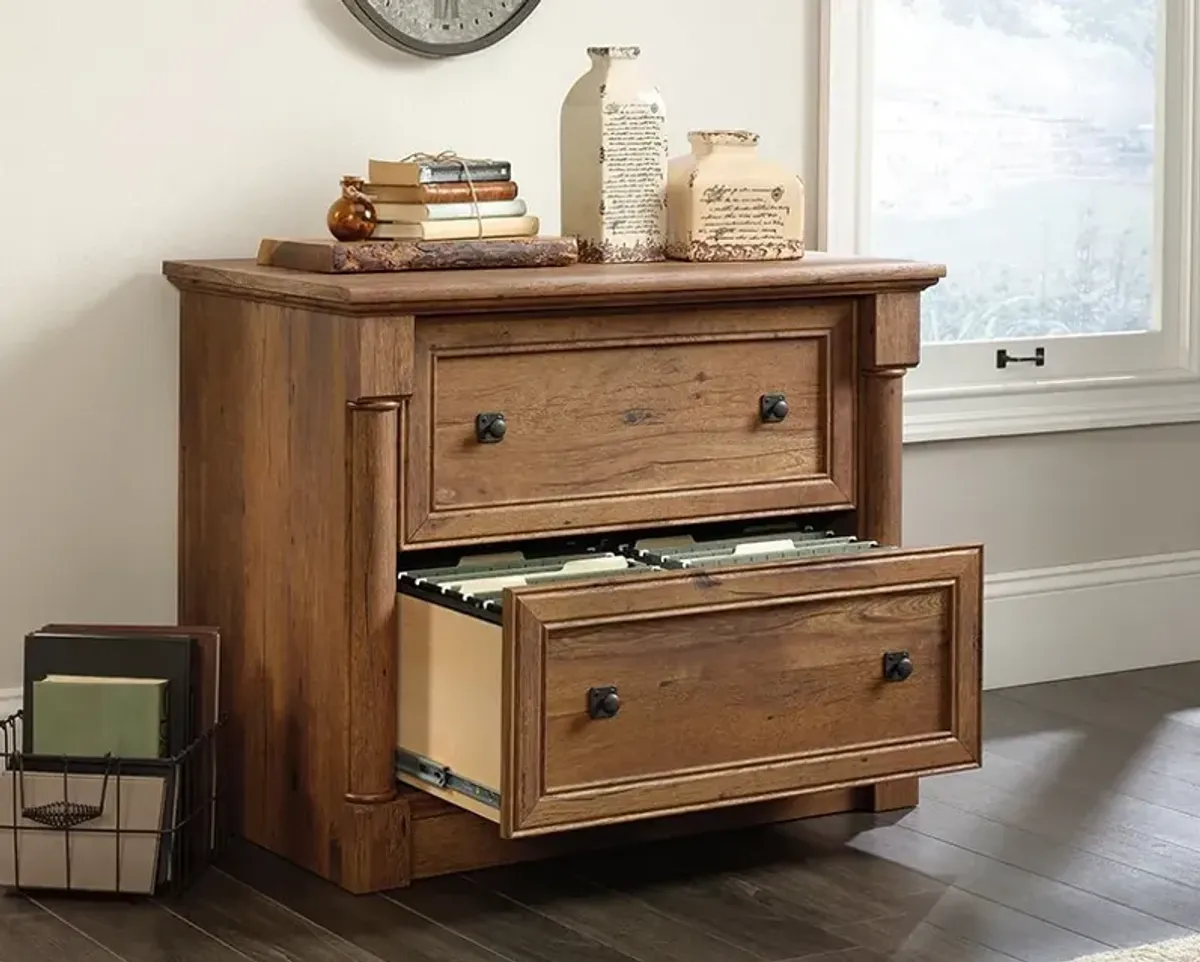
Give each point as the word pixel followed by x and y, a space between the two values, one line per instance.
pixel 468 229
pixel 414 213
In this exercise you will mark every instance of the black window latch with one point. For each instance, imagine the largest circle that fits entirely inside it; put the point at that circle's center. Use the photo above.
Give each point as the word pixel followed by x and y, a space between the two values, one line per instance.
pixel 1004 359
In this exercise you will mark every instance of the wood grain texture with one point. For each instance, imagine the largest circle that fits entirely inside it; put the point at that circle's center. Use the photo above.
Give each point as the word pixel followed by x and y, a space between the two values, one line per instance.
pixel 266 554
pixel 582 285
pixel 803 706
pixel 889 343
pixel 383 256
pixel 321 429
pixel 373 658
pixel 892 331
pixel 617 419
pixel 447 839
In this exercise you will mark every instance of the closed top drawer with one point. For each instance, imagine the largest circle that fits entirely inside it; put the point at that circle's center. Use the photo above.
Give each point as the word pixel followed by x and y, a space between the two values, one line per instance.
pixel 548 426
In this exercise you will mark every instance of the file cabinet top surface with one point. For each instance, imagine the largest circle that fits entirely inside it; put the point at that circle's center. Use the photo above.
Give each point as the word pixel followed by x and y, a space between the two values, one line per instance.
pixel 616 284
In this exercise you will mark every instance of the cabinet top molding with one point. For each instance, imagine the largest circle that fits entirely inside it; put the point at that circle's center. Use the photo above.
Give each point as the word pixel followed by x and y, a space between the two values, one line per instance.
pixel 454 291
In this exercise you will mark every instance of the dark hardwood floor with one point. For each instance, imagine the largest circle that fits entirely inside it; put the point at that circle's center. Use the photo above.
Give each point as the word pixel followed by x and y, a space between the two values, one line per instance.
pixel 1081 833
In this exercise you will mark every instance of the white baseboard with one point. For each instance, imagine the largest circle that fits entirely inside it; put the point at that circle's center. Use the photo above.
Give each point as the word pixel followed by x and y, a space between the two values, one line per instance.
pixel 1090 619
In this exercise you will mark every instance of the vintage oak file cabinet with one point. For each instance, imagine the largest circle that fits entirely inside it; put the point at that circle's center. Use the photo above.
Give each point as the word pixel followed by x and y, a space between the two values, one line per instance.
pixel 511 563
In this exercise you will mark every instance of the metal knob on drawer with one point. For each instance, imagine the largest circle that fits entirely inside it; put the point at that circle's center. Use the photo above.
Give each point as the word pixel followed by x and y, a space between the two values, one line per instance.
pixel 490 428
pixel 603 702
pixel 772 408
pixel 897 666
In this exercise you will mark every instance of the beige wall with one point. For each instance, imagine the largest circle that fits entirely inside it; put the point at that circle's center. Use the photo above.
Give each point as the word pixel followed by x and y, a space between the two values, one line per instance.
pixel 136 131
pixel 1058 499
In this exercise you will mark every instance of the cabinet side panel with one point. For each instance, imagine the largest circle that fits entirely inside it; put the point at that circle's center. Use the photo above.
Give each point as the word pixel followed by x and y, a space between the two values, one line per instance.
pixel 218 350
pixel 264 555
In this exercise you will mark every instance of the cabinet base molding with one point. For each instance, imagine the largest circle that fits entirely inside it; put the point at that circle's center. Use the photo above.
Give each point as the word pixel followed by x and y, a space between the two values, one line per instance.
pixel 445 839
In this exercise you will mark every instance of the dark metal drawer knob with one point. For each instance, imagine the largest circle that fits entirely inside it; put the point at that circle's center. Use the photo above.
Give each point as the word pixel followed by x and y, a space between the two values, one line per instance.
pixel 897 666
pixel 490 428
pixel 603 702
pixel 772 408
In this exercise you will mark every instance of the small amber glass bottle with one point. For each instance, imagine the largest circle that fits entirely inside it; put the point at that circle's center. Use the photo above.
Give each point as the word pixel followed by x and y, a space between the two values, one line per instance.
pixel 352 216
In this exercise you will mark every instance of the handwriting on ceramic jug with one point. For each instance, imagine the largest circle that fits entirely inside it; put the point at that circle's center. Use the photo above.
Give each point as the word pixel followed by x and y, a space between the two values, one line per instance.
pixel 634 157
pixel 749 214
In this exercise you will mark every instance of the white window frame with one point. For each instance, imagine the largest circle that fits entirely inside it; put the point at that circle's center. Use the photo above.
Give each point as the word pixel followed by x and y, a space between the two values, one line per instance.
pixel 1103 381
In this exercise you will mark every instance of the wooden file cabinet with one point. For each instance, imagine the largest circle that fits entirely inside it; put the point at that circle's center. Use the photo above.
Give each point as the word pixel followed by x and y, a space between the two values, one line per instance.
pixel 343 437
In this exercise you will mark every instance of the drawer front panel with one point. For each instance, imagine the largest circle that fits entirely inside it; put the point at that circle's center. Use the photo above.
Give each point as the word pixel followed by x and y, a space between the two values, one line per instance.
pixel 652 422
pixel 739 685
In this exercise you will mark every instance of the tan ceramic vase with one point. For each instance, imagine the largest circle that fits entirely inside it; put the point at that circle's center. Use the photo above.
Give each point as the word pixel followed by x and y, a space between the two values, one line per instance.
pixel 725 203
pixel 613 161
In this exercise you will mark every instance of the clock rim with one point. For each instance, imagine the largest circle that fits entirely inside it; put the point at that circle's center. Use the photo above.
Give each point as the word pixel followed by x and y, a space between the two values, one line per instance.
pixel 385 32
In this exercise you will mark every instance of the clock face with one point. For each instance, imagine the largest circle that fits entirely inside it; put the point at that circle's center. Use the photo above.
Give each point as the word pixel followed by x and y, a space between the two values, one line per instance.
pixel 441 28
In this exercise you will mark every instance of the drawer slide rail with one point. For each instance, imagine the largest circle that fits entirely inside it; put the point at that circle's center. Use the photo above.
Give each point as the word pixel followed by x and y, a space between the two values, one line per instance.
pixel 440 776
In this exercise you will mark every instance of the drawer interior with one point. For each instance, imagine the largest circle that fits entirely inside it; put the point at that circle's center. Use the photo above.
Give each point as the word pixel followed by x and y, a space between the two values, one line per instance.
pixel 476 584
pixel 511 662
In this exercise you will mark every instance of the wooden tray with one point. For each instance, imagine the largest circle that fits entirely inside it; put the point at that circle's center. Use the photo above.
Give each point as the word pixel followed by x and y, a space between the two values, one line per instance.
pixel 374 256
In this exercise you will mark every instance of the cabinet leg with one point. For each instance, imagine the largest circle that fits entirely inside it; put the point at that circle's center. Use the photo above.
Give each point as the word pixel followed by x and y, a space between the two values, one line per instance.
pixel 376 847
pixel 894 795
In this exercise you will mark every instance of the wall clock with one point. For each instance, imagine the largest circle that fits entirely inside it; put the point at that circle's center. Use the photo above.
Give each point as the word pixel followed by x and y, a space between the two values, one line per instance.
pixel 441 28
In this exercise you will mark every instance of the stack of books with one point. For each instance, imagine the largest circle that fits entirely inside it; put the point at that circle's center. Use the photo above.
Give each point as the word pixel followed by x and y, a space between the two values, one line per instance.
pixel 446 199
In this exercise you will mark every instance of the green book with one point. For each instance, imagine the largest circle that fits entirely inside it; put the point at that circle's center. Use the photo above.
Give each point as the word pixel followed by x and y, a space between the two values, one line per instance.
pixel 93 715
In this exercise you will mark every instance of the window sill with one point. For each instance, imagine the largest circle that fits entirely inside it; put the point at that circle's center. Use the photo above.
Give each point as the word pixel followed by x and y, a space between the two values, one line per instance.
pixel 1085 407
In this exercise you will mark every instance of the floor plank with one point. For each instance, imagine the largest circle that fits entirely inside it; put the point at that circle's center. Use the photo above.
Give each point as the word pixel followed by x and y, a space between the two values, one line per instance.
pixel 29 932
pixel 258 927
pixel 373 923
pixel 1157 896
pixel 1182 680
pixel 137 930
pixel 1080 833
pixel 1129 841
pixel 1097 920
pixel 912 937
pixel 510 930
pixel 699 885
pixel 620 921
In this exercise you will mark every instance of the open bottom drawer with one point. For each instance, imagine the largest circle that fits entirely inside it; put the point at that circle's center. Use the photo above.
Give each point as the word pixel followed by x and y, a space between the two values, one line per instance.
pixel 649 692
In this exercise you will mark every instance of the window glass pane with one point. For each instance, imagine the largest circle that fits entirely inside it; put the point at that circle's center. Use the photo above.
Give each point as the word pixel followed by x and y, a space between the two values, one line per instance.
pixel 1013 141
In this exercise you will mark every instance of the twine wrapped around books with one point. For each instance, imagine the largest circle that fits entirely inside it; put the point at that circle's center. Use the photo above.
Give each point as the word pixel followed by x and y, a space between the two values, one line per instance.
pixel 450 156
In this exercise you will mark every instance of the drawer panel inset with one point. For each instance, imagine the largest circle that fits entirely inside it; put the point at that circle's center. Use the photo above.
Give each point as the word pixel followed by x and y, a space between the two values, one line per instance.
pixel 547 428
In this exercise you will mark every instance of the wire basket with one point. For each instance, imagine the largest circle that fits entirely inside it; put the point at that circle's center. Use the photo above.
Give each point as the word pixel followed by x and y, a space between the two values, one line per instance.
pixel 110 824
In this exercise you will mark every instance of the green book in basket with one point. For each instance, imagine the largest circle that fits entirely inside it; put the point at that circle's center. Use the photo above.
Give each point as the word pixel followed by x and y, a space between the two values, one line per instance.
pixel 92 715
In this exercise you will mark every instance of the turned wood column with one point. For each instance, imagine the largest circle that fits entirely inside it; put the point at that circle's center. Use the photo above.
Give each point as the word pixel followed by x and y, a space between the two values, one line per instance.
pixel 373 656
pixel 890 345
pixel 881 427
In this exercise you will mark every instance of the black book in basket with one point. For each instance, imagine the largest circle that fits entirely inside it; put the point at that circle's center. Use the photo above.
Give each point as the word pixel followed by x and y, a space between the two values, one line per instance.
pixel 107 824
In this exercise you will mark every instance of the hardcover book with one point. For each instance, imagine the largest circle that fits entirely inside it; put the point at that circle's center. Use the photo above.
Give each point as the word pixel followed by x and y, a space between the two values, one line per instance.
pixel 94 716
pixel 415 213
pixel 403 173
pixel 449 193
pixel 460 229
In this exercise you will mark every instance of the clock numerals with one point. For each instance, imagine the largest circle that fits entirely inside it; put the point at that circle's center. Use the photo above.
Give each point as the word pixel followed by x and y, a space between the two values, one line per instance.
pixel 441 28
